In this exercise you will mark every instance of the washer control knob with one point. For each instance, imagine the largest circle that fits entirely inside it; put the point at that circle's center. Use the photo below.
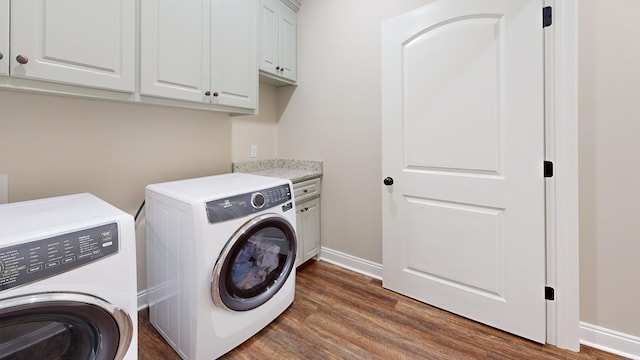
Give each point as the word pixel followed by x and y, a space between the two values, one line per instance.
pixel 257 200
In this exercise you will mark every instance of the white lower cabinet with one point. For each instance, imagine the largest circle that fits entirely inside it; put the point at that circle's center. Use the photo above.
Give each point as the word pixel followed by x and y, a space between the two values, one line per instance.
pixel 307 219
pixel 200 51
pixel 308 228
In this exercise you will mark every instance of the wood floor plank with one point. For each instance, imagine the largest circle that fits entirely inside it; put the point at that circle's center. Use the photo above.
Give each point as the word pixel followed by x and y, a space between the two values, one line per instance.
pixel 339 314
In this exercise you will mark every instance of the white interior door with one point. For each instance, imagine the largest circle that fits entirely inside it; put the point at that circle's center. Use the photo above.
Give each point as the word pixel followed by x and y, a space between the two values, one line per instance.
pixel 463 141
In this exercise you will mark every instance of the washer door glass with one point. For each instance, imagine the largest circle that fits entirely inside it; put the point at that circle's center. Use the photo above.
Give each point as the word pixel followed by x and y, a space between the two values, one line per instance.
pixel 39 326
pixel 254 264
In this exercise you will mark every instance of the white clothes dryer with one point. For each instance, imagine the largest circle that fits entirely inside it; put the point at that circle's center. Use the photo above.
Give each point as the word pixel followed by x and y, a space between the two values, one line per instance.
pixel 67 280
pixel 220 259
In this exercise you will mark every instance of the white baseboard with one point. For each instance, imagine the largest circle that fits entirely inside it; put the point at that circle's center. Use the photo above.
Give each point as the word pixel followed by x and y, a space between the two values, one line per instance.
pixel 142 300
pixel 353 263
pixel 610 341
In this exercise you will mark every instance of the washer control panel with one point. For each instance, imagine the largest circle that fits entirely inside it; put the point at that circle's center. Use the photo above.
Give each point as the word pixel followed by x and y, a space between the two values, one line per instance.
pixel 249 203
pixel 31 261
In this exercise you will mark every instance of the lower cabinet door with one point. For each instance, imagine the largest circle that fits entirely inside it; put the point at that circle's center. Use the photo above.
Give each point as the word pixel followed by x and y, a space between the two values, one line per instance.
pixel 308 228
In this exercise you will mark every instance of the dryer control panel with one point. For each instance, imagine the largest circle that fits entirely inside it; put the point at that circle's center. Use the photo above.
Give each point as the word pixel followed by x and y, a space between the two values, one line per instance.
pixel 31 261
pixel 249 203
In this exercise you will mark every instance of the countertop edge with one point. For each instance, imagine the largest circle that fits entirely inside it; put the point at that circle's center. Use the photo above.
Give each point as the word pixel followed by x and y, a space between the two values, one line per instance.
pixel 294 170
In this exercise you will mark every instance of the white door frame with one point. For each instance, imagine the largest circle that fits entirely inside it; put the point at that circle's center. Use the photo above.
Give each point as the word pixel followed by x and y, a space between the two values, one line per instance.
pixel 563 272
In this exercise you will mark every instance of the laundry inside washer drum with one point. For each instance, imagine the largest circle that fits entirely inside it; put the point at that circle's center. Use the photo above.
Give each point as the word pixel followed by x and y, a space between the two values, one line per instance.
pixel 257 261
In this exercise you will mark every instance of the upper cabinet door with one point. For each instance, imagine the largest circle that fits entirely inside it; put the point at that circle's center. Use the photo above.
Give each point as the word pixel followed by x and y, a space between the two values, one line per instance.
pixel 4 37
pixel 288 43
pixel 278 50
pixel 78 42
pixel 174 49
pixel 234 54
pixel 269 52
pixel 200 50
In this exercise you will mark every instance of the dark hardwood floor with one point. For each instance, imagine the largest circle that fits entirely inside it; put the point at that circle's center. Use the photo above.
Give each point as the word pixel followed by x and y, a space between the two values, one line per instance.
pixel 339 314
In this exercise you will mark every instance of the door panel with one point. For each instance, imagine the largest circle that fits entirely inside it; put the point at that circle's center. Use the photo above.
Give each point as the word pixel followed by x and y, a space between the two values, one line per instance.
pixel 460 96
pixel 469 234
pixel 463 223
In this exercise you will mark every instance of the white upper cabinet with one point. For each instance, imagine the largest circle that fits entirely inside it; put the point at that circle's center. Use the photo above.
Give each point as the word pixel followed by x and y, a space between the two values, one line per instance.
pixel 77 42
pixel 174 49
pixel 200 50
pixel 4 37
pixel 234 54
pixel 278 55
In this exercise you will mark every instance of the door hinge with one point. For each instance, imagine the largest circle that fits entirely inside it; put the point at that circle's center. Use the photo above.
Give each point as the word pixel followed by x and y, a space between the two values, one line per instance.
pixel 547 16
pixel 549 293
pixel 548 169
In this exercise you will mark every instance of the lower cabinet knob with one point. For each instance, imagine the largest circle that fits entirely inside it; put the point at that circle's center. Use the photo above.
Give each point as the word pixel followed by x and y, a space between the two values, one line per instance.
pixel 388 181
pixel 1 56
pixel 215 94
pixel 208 93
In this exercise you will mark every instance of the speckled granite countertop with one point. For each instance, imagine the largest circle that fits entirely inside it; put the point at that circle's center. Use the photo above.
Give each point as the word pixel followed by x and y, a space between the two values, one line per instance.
pixel 294 170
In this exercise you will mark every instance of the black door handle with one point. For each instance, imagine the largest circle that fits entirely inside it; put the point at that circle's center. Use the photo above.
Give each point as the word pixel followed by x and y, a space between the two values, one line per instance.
pixel 388 181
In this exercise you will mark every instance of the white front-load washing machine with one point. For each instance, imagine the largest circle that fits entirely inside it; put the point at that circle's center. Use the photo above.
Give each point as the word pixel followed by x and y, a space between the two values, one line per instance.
pixel 220 259
pixel 67 280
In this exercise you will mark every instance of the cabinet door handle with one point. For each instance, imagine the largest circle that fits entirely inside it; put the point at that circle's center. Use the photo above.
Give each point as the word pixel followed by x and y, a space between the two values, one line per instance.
pixel 305 190
pixel 208 93
pixel 215 94
pixel 22 59
pixel 1 56
pixel 277 67
pixel 388 181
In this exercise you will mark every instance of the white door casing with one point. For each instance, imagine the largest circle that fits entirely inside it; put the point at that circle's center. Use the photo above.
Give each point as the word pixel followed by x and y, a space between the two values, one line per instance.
pixel 463 139
pixel 561 70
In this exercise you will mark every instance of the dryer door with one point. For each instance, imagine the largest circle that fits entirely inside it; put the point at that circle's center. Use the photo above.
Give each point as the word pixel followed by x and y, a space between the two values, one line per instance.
pixel 254 263
pixel 63 326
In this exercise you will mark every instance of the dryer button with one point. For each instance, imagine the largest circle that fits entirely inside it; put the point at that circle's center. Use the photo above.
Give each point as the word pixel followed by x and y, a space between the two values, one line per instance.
pixel 257 200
